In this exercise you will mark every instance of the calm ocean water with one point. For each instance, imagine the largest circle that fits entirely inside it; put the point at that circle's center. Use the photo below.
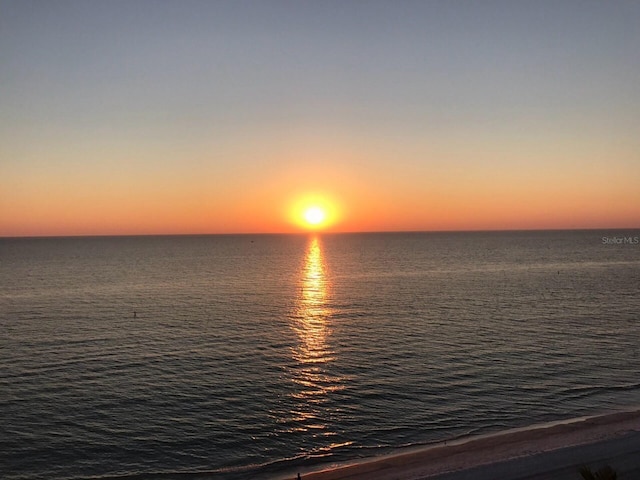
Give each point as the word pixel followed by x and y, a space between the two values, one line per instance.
pixel 260 355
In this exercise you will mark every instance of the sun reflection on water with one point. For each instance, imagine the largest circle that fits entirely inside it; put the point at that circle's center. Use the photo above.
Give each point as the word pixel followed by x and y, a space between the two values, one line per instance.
pixel 311 325
pixel 313 353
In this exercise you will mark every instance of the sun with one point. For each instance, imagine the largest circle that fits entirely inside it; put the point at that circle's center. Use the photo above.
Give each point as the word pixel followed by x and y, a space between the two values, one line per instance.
pixel 314 215
pixel 314 211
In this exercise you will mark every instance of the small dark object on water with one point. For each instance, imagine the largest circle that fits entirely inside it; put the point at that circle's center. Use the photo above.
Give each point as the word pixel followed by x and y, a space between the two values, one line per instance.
pixel 135 315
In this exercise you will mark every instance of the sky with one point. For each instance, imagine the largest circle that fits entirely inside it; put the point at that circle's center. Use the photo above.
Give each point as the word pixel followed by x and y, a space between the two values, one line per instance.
pixel 167 117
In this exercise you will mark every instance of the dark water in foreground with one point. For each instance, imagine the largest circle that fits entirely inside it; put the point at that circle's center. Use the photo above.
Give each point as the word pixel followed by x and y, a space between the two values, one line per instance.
pixel 254 356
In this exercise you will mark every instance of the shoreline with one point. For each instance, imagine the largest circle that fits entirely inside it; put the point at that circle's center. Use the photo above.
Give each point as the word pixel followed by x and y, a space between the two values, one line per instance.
pixel 487 451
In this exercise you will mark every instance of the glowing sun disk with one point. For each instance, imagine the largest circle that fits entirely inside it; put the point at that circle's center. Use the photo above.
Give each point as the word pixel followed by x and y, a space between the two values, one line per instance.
pixel 314 215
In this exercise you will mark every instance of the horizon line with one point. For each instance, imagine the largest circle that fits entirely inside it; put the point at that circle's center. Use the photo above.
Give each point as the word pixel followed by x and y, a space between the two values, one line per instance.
pixel 312 232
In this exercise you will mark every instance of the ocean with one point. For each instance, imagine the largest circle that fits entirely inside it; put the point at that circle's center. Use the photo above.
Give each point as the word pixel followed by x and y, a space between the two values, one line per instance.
pixel 257 356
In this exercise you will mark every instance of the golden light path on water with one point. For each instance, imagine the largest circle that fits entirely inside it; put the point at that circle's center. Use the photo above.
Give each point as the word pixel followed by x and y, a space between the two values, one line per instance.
pixel 313 310
pixel 313 353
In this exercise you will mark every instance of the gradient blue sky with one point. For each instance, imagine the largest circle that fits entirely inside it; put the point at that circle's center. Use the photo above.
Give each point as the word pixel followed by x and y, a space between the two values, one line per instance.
pixel 206 117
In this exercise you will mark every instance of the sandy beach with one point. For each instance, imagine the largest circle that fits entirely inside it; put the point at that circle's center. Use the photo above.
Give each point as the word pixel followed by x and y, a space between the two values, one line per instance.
pixel 551 452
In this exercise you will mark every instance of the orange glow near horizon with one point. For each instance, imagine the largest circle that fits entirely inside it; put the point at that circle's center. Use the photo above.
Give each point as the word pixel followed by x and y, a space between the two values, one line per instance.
pixel 334 199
